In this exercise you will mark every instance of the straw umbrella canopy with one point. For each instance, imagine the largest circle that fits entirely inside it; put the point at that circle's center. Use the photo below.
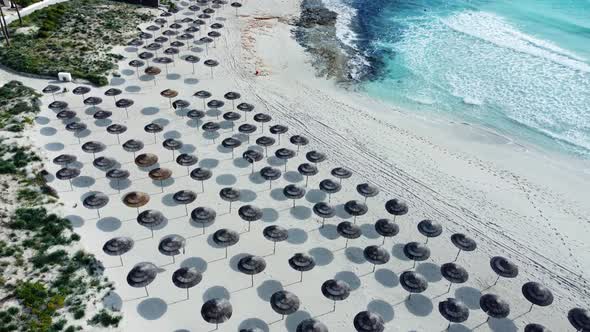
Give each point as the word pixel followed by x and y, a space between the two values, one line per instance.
pixel 329 187
pixel 169 33
pixel 249 213
pixel 366 321
pixel 204 95
pixel 93 147
pixel 348 231
pixel 386 228
pixel 454 273
pixel 136 42
pixel 376 255
pixel 307 170
pixel 176 26
pixel 237 5
pixel 262 118
pixel 117 129
pixel 211 64
pixel 150 219
pixel 81 91
pixel 133 145
pixel 216 26
pixel 463 243
pixel 102 114
pixel 158 44
pixel 284 154
pixel 417 252
pixel 275 234
pixel 180 104
pixel 145 160
pixel 356 208
pixel 184 197
pixel 252 156
pixel 231 143
pixel 65 115
pixel 246 108
pixel 64 159
pixel 187 160
pixel 136 64
pixel 76 127
pixel 453 311
pixel 117 175
pixel 208 11
pixel 533 327
pixel 195 115
pixel 194 8
pixel 93 101
pixel 293 192
pixel 335 290
pixel 169 93
pixel 311 325
pixel 211 127
pixel 298 141
pixel 225 238
pixel 136 199
pixel 367 190
pixel 233 96
pixel 201 174
pixel 429 228
pixel 160 174
pixel 251 265
pixel 537 294
pixel 301 262
pixel 96 201
pixel 278 130
pixel 206 41
pixel 230 195
pixel 247 129
pixel 154 27
pixel 216 311
pixel 231 117
pixel 265 142
pixel 270 174
pixel 118 246
pixel 192 59
pixel 203 215
pixel 186 277
pixel 153 128
pixel 51 89
pixel 503 267
pixel 147 55
pixel 67 173
pixel 396 207
pixel 171 245
pixel 494 306
pixel 315 157
pixel 57 105
pixel 413 282
pixel 145 35
pixel 284 303
pixel 172 145
pixel 152 71
pixel 141 275
pixel 103 163
pixel 113 92
pixel 580 319
pixel 324 210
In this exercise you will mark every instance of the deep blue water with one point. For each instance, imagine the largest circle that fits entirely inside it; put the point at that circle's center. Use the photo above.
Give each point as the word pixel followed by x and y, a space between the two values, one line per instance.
pixel 521 67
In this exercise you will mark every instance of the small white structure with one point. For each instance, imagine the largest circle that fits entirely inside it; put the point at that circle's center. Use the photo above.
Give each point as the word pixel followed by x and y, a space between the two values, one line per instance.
pixel 64 77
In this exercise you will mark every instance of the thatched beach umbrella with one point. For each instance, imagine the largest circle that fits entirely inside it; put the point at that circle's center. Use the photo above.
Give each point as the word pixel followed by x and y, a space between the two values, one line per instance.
pixel 153 128
pixel 249 213
pixel 96 201
pixel 265 142
pixel 537 294
pixel 184 197
pixel 216 311
pixel 246 108
pixel 150 219
pixel 160 174
pixel 454 273
pixel 65 115
pixel 453 311
pixel 152 71
pixel 580 319
pixel 503 267
pixel 113 92
pixel 204 95
pixel 57 105
pixel 102 114
pixel 298 141
pixel 262 118
pixel 117 129
pixel 93 147
pixel 145 35
pixel 76 127
pixel 494 306
pixel 335 290
pixel 103 163
pixel 206 41
pixel 413 282
pixel 67 173
pixel 225 238
pixel 192 59
pixel 278 130
pixel 159 41
pixel 231 117
pixel 396 207
pixel 172 145
pixel 186 277
pixel 64 159
pixel 51 89
pixel 324 210
pixel 216 105
pixel 195 115
pixel 315 157
pixel 348 231
pixel 124 103
pixel 203 215
pixel 367 190
pixel 301 262
pixel 329 187
pixel 293 192
pixel 237 5
pixel 146 56
pixel 275 234
pixel 307 170
pixel 429 228
pixel 251 265
pixel 118 246
pixel 270 174
pixel 463 243
pixel 230 195
pixel 386 228
pixel 145 160
pixel 366 321
pixel 417 252
pixel 233 96
pixel 81 91
pixel 133 146
pixel 284 154
pixel 136 199
pixel 534 327
pixel 211 64
pixel 172 245
pixel 169 93
pixel 93 101
pixel 201 174
pixel 231 143
pixel 376 255
pixel 117 175
pixel 136 64
pixel 284 303
pixel 355 208
pixel 247 129
pixel 211 127
pixel 141 275
pixel 252 156
pixel 136 43
pixel 187 160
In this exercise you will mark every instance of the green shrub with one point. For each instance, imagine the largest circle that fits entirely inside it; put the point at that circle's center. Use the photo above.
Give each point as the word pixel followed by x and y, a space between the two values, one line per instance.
pixel 105 319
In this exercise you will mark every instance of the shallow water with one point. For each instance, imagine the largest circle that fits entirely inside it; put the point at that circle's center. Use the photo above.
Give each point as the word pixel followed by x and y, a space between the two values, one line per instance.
pixel 520 67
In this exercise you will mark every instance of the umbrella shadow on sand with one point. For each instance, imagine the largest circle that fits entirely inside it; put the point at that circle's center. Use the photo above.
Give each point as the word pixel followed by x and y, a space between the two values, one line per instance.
pixel 267 288
pixel 350 278
pixel 216 292
pixel 321 256
pixel 384 309
pixel 419 305
pixel 152 309
pixel 75 220
pixel 108 224
pixel 469 296
pixel 387 278
pixel 430 271
pixel 292 320
pixel 269 215
pixel 196 262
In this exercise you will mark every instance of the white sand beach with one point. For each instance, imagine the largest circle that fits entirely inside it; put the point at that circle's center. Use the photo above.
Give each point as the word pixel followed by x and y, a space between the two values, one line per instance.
pixel 515 200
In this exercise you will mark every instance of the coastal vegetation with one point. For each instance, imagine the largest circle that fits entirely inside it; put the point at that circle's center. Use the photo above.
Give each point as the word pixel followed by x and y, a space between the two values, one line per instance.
pixel 76 36
pixel 47 283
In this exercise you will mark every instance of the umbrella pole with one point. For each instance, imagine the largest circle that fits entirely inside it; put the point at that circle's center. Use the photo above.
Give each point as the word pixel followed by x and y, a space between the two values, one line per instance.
pixel 457 255
pixel 334 306
pixel 414 265
pixel 121 259
pixel 202 186
pixel 323 222
pixel 71 188
pixel 374 266
pixel 285 165
pixel 306 180
pixel 293 202
pixel 427 238
pixel 162 185
pixel 225 253
pixel 383 242
pixel 152 230
pixel 118 186
pixel 270 184
pixel 251 281
pixel 274 247
pixel 118 139
pixel 346 244
pixel 230 207
pixel 187 296
pixel 495 282
pixel 155 139
pixel 137 211
pixel 173 259
pixel 146 291
pixel 252 168
pixel 449 289
pixel 185 210
pixel 249 225
pixel 301 277
pixel 448 326
pixel 98 213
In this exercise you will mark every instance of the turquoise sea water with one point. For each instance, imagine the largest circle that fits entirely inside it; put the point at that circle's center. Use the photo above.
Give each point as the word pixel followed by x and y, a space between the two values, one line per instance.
pixel 521 67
